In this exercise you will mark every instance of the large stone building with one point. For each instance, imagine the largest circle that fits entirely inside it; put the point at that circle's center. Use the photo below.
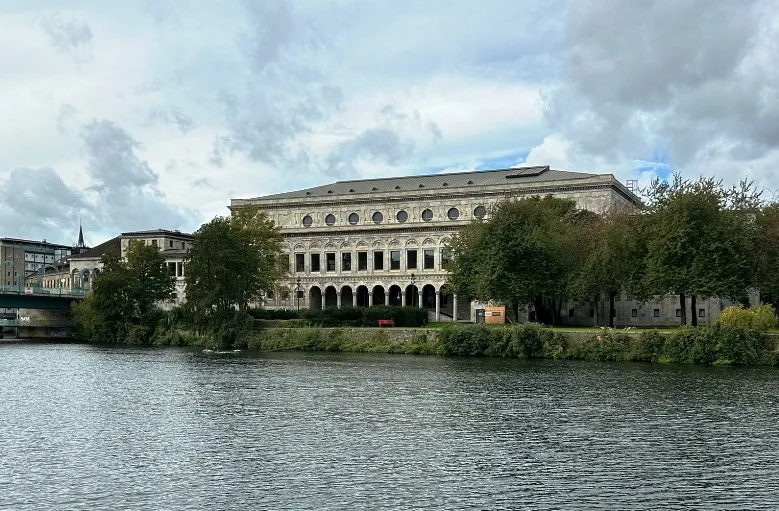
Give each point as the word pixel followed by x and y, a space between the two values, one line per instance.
pixel 383 241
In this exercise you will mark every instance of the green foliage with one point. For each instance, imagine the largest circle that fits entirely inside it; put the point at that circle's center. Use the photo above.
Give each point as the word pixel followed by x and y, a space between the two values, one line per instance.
pixel 523 341
pixel 122 305
pixel 758 318
pixel 346 316
pixel 233 261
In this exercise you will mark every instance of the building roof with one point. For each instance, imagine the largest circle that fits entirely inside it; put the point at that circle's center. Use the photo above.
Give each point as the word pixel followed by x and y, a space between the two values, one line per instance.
pixel 434 181
pixel 40 244
pixel 98 251
pixel 159 232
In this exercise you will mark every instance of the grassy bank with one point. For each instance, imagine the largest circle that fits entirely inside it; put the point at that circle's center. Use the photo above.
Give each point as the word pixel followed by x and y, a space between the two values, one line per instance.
pixel 702 345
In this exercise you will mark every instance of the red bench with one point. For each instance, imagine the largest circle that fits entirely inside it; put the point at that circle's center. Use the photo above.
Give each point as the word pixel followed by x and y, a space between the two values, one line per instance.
pixel 386 322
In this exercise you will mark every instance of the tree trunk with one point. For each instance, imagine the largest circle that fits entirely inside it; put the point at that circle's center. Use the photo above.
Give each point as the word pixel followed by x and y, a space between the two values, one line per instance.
pixel 611 309
pixel 683 306
pixel 543 314
pixel 693 310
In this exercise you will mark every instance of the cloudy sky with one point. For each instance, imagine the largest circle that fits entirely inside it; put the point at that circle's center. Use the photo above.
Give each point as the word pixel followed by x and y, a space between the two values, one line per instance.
pixel 145 114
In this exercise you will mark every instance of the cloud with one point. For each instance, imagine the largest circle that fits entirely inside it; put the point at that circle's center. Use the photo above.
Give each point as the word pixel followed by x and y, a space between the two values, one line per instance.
pixel 125 185
pixel 38 204
pixel 675 77
pixel 72 36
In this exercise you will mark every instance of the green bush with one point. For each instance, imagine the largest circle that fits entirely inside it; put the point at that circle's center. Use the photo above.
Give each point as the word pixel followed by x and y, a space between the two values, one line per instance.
pixel 280 323
pixel 758 318
pixel 521 341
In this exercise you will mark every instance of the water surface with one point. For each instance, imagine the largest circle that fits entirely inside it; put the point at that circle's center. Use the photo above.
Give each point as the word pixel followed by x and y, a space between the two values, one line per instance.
pixel 94 427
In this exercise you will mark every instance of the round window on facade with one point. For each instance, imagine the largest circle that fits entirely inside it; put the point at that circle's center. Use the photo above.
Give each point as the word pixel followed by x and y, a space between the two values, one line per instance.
pixel 378 217
pixel 427 215
pixel 354 219
pixel 330 219
pixel 307 220
pixel 402 216
pixel 480 212
pixel 453 214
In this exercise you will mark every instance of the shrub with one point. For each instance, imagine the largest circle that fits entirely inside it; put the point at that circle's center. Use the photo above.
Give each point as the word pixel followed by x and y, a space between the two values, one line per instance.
pixel 757 318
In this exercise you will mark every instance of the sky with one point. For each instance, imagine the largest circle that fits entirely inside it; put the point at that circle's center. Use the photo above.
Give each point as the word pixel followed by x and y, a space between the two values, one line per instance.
pixel 147 114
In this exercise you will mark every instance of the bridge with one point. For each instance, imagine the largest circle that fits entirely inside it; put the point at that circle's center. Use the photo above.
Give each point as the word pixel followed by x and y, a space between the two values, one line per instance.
pixel 16 297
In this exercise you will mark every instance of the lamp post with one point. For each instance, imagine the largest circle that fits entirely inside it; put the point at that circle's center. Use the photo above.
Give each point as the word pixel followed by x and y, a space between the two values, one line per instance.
pixel 413 291
pixel 297 292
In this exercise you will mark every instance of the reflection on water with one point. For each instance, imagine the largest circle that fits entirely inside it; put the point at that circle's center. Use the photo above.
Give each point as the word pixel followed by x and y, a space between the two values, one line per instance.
pixel 89 427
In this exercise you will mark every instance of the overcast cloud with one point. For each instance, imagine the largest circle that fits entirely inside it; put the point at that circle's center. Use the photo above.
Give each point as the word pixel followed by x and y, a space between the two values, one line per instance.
pixel 153 114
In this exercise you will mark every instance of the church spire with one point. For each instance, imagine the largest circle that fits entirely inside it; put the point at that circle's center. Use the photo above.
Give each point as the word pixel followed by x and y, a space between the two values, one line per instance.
pixel 80 243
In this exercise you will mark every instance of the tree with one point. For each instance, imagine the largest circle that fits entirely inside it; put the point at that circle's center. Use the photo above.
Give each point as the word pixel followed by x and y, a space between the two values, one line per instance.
pixel 124 296
pixel 233 262
pixel 613 259
pixel 699 239
pixel 524 253
pixel 767 257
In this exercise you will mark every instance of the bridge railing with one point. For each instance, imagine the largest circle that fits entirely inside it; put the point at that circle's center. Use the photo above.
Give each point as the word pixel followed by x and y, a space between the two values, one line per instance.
pixel 55 323
pixel 44 291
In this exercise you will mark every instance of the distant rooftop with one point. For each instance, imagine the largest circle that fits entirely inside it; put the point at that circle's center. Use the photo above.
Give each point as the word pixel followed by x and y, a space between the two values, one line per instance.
pixel 159 232
pixel 98 251
pixel 42 244
pixel 434 182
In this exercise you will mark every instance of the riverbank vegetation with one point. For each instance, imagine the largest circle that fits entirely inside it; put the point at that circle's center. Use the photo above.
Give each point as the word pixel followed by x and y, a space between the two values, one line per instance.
pixel 694 239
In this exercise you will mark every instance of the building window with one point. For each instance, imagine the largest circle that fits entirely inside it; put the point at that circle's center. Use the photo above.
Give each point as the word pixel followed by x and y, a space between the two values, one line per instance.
pixel 656 313
pixel 354 219
pixel 315 262
pixel 678 313
pixel 307 221
pixel 330 219
pixel 570 313
pixel 377 217
pixel 453 214
pixel 402 216
pixel 411 259
pixel 378 260
pixel 480 212
pixel 153 243
pixel 429 259
pixel 701 313
pixel 330 261
pixel 362 261
pixel 346 262
pixel 170 244
pixel 394 259
pixel 633 313
pixel 300 263
pixel 427 215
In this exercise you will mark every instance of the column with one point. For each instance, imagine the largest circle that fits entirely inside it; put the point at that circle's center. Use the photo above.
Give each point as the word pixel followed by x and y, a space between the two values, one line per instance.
pixel 402 298
pixel 454 307
pixel 338 299
pixel 438 305
pixel 370 298
pixel 421 305
pixel 354 298
pixel 386 296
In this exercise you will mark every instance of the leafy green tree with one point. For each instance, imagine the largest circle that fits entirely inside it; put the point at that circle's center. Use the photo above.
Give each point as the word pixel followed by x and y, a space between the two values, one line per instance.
pixel 614 256
pixel 150 281
pixel 233 262
pixel 767 254
pixel 699 240
pixel 525 253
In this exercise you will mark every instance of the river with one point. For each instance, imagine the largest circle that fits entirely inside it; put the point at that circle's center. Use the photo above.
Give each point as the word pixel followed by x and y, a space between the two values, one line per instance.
pixel 96 427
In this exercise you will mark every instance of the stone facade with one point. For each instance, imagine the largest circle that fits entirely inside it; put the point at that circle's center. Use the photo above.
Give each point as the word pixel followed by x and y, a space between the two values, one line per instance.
pixel 383 241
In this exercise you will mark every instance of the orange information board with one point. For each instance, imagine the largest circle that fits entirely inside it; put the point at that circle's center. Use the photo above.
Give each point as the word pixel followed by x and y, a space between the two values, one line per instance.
pixel 495 314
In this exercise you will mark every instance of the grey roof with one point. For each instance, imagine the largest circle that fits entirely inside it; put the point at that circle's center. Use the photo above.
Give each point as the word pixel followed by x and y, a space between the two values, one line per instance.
pixel 434 181
pixel 98 251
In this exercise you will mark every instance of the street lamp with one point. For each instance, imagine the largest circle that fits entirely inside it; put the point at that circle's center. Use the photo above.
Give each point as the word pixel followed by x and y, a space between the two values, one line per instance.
pixel 297 292
pixel 413 291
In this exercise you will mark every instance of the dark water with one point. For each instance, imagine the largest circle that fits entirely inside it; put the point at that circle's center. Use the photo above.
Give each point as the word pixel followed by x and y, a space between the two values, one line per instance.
pixel 86 427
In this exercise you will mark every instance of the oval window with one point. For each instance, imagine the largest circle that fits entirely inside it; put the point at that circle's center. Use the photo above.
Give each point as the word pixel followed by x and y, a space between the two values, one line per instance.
pixel 378 217
pixel 453 214
pixel 480 212
pixel 330 219
pixel 427 215
pixel 354 218
pixel 307 220
pixel 402 216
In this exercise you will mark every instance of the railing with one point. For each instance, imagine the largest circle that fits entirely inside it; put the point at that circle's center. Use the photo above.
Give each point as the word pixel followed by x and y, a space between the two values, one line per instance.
pixel 36 323
pixel 44 291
